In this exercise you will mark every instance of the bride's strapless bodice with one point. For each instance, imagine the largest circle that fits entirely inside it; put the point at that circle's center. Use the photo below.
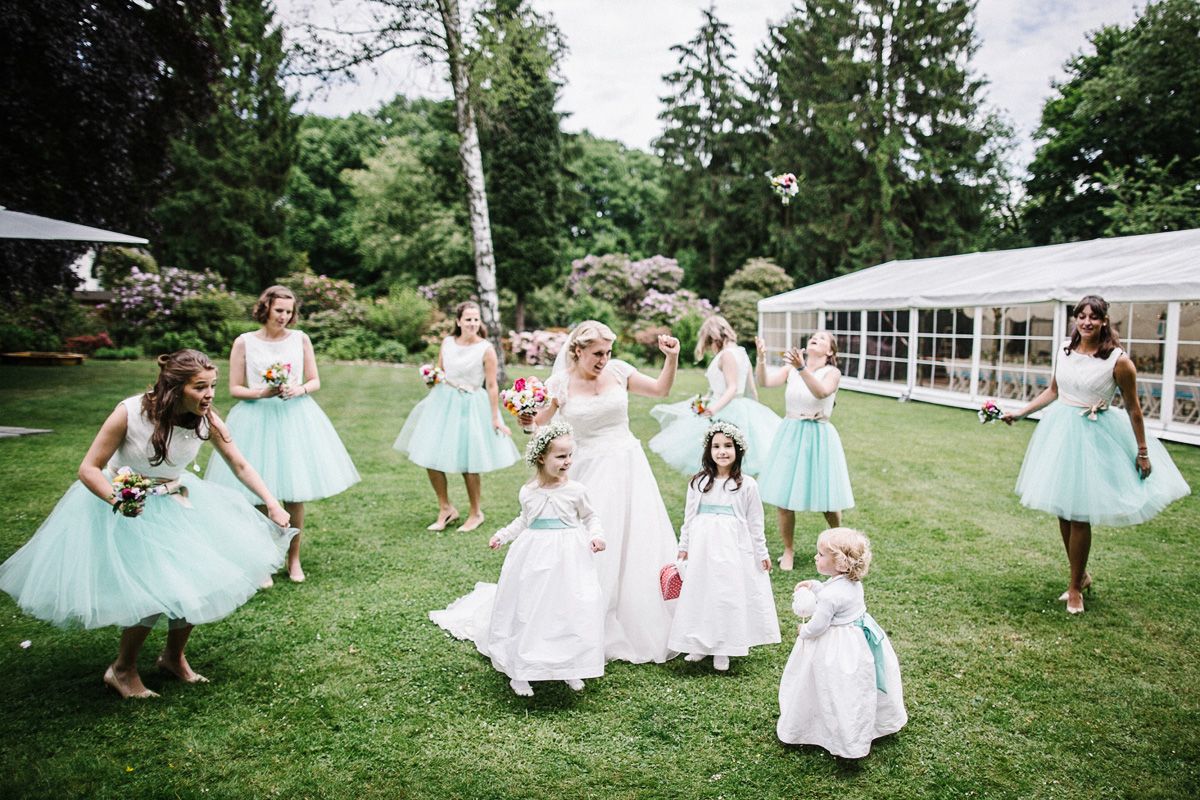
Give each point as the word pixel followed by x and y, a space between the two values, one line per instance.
pixel 600 420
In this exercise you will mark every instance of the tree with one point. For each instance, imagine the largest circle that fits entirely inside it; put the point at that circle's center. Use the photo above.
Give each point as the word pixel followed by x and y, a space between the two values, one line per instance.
pixel 224 209
pixel 1127 109
pixel 93 94
pixel 1150 199
pixel 873 106
pixel 711 179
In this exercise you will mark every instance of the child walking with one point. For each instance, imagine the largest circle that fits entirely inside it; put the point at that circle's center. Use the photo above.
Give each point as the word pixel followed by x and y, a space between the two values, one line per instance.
pixel 725 605
pixel 544 620
pixel 841 687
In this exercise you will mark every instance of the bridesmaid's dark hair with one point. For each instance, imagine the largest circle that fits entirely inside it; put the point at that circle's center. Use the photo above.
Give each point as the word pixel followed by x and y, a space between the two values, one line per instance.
pixel 262 308
pixel 1108 336
pixel 163 403
pixel 708 467
pixel 458 312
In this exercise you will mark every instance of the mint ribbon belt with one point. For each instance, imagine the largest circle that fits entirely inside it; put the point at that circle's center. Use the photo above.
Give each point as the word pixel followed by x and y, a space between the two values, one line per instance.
pixel 875 637
pixel 548 524
pixel 709 508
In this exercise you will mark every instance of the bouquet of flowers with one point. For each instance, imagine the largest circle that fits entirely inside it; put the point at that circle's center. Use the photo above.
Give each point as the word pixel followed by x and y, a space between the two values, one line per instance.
pixel 786 186
pixel 700 403
pixel 277 374
pixel 130 490
pixel 989 412
pixel 430 374
pixel 527 396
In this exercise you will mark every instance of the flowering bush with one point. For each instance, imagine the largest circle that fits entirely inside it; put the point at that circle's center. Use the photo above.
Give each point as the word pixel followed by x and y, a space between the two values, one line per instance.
pixel 147 299
pixel 536 347
pixel 657 273
pixel 318 292
pixel 661 307
pixel 606 278
pixel 88 344
pixel 447 293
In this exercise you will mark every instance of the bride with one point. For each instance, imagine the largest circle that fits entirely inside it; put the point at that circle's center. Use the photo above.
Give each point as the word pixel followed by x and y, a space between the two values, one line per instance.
pixel 591 392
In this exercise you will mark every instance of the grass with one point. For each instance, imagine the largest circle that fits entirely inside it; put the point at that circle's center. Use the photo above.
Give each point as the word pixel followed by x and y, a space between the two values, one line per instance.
pixel 342 688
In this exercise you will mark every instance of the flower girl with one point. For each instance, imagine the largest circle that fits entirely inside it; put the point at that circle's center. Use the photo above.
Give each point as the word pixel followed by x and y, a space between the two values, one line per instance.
pixel 725 606
pixel 841 687
pixel 544 620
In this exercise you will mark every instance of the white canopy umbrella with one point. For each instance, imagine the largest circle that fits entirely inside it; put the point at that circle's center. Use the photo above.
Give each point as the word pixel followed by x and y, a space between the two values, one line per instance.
pixel 15 225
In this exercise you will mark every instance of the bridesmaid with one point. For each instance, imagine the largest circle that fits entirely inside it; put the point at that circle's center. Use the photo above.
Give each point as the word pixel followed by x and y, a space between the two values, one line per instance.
pixel 806 468
pixel 457 427
pixel 281 429
pixel 195 553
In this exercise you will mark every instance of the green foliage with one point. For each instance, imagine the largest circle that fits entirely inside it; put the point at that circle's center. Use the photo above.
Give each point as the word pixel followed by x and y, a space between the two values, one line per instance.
pixel 588 306
pixel 761 276
pixel 214 318
pixel 130 353
pixel 402 316
pixel 354 343
pixel 224 210
pixel 1127 114
pixel 41 321
pixel 318 292
pixel 16 338
pixel 116 264
pixel 171 341
pixel 447 293
pixel 548 307
pixel 740 308
pixel 687 329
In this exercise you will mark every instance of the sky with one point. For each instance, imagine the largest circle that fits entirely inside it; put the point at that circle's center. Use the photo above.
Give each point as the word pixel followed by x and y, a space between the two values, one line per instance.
pixel 618 51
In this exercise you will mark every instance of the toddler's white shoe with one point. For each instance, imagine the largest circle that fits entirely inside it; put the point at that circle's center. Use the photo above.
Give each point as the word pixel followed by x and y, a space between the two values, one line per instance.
pixel 694 657
pixel 721 663
pixel 522 688
pixel 575 684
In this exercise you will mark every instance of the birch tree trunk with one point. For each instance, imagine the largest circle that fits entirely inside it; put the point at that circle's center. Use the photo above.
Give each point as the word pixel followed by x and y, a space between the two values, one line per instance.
pixel 471 159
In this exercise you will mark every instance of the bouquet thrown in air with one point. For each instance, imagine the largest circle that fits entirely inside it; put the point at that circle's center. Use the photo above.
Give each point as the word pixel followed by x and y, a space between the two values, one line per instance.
pixel 277 374
pixel 431 374
pixel 527 396
pixel 130 490
pixel 989 412
pixel 700 403
pixel 786 186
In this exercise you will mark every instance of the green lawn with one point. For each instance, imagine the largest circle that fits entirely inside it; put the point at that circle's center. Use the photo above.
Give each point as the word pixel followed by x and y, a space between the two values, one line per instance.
pixel 341 687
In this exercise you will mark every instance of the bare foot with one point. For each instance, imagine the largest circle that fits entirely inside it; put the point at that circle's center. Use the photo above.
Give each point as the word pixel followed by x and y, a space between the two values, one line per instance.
pixel 445 517
pixel 126 683
pixel 473 522
pixel 180 669
pixel 785 560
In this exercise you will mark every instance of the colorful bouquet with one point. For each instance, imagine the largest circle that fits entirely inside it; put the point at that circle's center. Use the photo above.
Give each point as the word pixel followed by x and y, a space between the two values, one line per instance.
pixel 431 375
pixel 277 374
pixel 527 396
pixel 700 403
pixel 130 490
pixel 989 412
pixel 786 186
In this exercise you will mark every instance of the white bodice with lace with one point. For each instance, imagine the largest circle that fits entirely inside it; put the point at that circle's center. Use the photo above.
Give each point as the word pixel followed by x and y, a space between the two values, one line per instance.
pixel 1086 381
pixel 716 378
pixel 799 400
pixel 136 450
pixel 602 420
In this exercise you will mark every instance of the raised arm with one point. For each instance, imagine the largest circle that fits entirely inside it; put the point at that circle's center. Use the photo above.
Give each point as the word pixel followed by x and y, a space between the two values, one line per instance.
pixel 766 377
pixel 1126 375
pixel 223 443
pixel 820 387
pixel 660 387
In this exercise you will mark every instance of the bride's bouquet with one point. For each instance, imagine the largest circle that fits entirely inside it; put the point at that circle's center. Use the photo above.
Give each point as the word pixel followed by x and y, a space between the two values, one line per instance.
pixel 130 490
pixel 786 186
pixel 277 374
pixel 430 374
pixel 527 396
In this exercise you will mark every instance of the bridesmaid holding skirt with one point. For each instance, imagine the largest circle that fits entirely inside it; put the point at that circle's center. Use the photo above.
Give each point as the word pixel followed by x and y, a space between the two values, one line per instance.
pixel 281 429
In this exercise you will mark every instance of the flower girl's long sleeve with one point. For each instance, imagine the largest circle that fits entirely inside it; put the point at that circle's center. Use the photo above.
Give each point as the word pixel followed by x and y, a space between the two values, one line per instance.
pixel 820 620
pixel 753 509
pixel 519 525
pixel 588 516
pixel 690 509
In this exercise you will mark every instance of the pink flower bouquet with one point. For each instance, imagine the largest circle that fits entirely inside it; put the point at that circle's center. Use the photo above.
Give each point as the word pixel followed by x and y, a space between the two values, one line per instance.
pixel 786 186
pixel 431 375
pixel 989 412
pixel 130 491
pixel 527 396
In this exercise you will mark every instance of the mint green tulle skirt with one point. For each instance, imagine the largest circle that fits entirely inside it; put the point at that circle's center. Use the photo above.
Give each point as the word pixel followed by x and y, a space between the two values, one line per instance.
pixel 680 442
pixel 86 566
pixel 451 431
pixel 1082 469
pixel 806 468
pixel 293 447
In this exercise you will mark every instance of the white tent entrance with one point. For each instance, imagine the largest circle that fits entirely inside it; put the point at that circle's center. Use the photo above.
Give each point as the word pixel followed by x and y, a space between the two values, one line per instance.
pixel 957 330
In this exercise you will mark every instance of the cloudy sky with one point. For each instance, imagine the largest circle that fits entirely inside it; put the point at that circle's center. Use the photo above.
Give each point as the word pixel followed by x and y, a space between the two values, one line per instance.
pixel 620 49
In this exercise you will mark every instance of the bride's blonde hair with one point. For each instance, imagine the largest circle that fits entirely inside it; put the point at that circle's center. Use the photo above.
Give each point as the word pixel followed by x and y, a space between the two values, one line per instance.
pixel 585 334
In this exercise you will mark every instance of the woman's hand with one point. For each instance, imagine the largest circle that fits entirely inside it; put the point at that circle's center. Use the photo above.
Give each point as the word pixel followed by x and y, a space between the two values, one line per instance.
pixel 494 542
pixel 499 427
pixel 527 422
pixel 669 345
pixel 760 345
pixel 278 515
pixel 270 390
pixel 1009 419
pixel 766 565
pixel 287 391
pixel 705 413
pixel 598 545
pixel 682 555
pixel 1142 462
pixel 794 357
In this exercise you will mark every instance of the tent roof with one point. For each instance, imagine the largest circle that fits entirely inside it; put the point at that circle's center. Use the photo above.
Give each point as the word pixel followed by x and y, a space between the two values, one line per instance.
pixel 16 225
pixel 1153 267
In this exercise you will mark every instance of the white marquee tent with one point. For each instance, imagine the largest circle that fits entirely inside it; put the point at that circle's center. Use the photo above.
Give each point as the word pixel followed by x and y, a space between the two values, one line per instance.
pixel 960 329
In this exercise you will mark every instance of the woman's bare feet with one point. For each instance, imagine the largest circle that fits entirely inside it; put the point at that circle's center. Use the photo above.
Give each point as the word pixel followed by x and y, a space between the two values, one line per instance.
pixel 126 683
pixel 179 668
pixel 785 560
pixel 445 517
pixel 473 522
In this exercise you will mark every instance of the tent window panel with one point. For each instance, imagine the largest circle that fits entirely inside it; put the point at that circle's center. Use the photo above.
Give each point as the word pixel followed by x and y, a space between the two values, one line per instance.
pixel 1142 329
pixel 887 343
pixel 1187 366
pixel 846 331
pixel 774 328
pixel 944 347
pixel 803 324
pixel 1017 350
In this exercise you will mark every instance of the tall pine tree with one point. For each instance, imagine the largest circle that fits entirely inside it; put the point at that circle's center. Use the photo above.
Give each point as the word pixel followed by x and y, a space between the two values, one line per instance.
pixel 225 208
pixel 712 212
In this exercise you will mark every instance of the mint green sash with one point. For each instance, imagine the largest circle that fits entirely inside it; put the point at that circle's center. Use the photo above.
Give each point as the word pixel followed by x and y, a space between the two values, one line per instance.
pixel 875 637
pixel 708 508
pixel 547 524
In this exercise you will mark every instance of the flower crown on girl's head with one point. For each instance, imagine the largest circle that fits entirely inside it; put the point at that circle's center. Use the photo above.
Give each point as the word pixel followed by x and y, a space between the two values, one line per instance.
pixel 542 439
pixel 727 428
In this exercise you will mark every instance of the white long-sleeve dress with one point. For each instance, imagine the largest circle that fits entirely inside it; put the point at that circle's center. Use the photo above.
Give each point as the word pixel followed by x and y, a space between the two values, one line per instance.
pixel 725 606
pixel 544 620
pixel 841 687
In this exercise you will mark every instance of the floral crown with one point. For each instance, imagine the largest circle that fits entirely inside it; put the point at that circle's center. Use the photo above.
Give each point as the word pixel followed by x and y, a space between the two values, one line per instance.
pixel 542 439
pixel 730 430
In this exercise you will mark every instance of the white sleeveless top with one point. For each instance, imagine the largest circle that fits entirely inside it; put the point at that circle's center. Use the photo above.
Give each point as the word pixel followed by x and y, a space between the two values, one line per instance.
pixel 261 354
pixel 1086 381
pixel 716 378
pixel 136 451
pixel 601 421
pixel 801 403
pixel 463 365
